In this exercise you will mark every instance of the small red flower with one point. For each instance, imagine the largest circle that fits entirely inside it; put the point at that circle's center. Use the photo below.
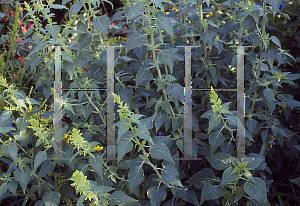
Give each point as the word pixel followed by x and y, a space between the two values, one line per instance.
pixel 22 64
pixel 23 29
pixel 19 22
pixel 14 75
pixel 11 13
pixel 21 8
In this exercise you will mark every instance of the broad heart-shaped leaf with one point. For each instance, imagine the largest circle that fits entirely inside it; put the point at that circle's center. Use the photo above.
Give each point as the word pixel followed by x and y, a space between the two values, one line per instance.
pixel 269 95
pixel 228 177
pixel 148 122
pixel 253 162
pixel 124 146
pixel 161 151
pixel 256 191
pixel 12 186
pixel 122 130
pixel 3 189
pixel 176 90
pixel 75 8
pixel 165 24
pixel 39 158
pixel 220 161
pixel 144 133
pixel 166 56
pixel 136 176
pixel 101 190
pixel 158 3
pixel 119 197
pixel 47 167
pixel 156 194
pixel 134 40
pixel 170 175
pixel 286 98
pixel 53 30
pixel 11 149
pixel 251 125
pixel 216 139
pixel 97 164
pixel 187 194
pixel 270 54
pixel 275 5
pixel 136 10
pixel 159 119
pixel 84 40
pixel 202 176
pixel 37 48
pixel 213 122
pixel 101 24
pixel 143 77
pixel 51 198
pixel 211 192
pixel 22 177
pixel 70 67
pixel 6 114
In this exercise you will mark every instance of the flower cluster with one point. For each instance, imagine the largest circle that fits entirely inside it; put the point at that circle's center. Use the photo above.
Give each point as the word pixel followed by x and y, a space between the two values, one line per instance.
pixel 215 100
pixel 58 179
pixel 78 141
pixel 82 185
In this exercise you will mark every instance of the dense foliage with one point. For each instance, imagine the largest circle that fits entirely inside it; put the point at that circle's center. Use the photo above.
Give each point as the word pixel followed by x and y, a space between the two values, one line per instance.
pixel 149 98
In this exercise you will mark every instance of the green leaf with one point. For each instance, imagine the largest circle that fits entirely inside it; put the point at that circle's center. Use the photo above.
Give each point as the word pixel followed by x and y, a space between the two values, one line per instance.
pixel 97 164
pixel 37 48
pixel 170 175
pixel 230 27
pixel 228 177
pixel 256 191
pixel 12 186
pixel 75 8
pixel 257 41
pixel 122 130
pixel 269 95
pixel 39 158
pixel 159 119
pixel 51 198
pixel 57 6
pixel 22 177
pixel 161 151
pixel 68 106
pixel 239 193
pixel 136 176
pixel 270 54
pixel 148 122
pixel 251 125
pixel 176 122
pixel 46 168
pixel 211 192
pixel 276 41
pixel 11 149
pixel 286 98
pixel 255 14
pixel 248 175
pixel 213 122
pixel 144 133
pixel 210 36
pixel 248 23
pixel 143 77
pixel 188 194
pixel 136 10
pixel 156 194
pixel 165 24
pixel 84 40
pixel 101 190
pixel 216 139
pixel 275 5
pixel 3 189
pixel 295 181
pixel 6 114
pixel 176 90
pixel 124 146
pixel 119 197
pixel 253 162
pixel 53 30
pixel 220 161
pixel 202 176
pixel 66 56
pixel 158 3
pixel 101 23
pixel 134 40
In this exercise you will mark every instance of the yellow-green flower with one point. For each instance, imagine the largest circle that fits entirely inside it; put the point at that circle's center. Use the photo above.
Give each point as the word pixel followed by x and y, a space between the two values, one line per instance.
pixel 175 9
pixel 98 148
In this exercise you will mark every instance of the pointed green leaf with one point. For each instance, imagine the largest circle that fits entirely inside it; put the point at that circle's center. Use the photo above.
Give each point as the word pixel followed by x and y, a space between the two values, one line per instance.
pixel 144 133
pixel 156 195
pixel 119 197
pixel 134 40
pixel 211 192
pixel 11 149
pixel 256 191
pixel 216 139
pixel 51 198
pixel 136 176
pixel 170 175
pixel 161 151
pixel 39 158
pixel 97 164
pixel 22 177
pixel 101 23
pixel 228 177
pixel 213 122
pixel 220 161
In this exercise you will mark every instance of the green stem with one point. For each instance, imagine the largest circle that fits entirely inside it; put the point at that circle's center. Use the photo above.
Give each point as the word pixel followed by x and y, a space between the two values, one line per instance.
pixel 260 55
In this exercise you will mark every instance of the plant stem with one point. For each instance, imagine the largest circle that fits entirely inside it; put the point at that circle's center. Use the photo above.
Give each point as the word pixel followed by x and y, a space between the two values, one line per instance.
pixel 260 57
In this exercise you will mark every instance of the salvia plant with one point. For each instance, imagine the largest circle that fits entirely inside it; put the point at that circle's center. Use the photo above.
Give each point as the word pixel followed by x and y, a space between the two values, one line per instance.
pixel 150 74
